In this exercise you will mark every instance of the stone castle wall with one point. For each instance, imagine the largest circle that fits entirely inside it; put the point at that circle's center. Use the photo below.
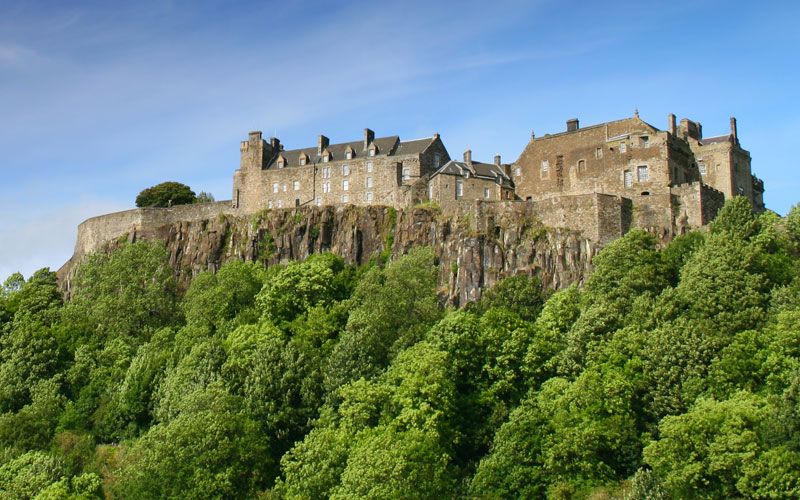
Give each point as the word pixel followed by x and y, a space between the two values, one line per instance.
pixel 95 233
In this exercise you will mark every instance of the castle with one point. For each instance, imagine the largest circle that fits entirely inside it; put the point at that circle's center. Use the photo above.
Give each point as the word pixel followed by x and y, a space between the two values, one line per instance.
pixel 602 179
pixel 549 212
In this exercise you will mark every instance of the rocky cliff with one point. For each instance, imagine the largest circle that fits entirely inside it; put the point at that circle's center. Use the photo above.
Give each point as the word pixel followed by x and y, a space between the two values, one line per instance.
pixel 474 250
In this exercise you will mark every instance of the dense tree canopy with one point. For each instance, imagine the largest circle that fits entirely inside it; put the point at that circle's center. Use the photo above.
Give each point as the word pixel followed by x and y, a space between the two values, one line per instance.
pixel 673 373
pixel 168 194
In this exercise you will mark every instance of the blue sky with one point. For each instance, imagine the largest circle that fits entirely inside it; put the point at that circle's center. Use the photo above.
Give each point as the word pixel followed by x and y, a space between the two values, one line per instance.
pixel 100 100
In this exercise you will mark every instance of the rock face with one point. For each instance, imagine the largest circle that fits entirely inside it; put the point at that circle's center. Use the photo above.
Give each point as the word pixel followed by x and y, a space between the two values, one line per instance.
pixel 474 252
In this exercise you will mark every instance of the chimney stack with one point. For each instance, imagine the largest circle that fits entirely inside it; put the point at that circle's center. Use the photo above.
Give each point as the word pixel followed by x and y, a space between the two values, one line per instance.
pixel 322 144
pixel 468 156
pixel 275 143
pixel 572 125
pixel 734 131
pixel 369 136
pixel 497 159
pixel 672 124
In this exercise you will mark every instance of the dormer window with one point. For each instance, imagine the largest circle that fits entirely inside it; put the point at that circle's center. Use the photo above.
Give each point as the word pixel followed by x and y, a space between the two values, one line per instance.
pixel 281 162
pixel 326 157
pixel 348 155
pixel 303 159
pixel 372 151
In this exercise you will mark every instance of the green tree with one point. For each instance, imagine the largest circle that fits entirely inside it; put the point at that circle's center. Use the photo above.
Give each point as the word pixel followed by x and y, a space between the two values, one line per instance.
pixel 130 293
pixel 521 294
pixel 166 194
pixel 300 286
pixel 718 450
pixel 391 309
pixel 211 449
pixel 215 300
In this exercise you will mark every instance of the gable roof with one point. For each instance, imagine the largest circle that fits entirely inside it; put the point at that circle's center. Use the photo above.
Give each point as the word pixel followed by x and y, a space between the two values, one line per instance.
pixel 714 140
pixel 480 170
pixel 390 145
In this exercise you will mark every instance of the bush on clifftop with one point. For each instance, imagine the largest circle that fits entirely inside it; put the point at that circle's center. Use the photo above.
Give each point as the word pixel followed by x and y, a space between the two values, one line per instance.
pixel 162 194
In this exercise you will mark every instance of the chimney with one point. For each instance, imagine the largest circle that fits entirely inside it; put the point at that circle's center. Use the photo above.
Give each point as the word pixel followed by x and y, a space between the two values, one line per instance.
pixel 733 131
pixel 468 156
pixel 572 125
pixel 672 125
pixel 497 159
pixel 369 136
pixel 275 143
pixel 435 136
pixel 322 144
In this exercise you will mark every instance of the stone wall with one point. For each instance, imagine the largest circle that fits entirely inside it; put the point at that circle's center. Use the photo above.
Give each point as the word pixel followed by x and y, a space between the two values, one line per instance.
pixel 473 252
pixel 96 232
pixel 696 205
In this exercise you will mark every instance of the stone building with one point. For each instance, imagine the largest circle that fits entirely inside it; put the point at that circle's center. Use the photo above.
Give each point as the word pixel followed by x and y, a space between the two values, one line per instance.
pixel 470 180
pixel 379 171
pixel 674 179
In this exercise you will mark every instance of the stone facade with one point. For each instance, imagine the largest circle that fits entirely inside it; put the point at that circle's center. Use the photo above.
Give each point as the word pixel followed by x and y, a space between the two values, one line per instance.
pixel 467 180
pixel 374 171
pixel 664 174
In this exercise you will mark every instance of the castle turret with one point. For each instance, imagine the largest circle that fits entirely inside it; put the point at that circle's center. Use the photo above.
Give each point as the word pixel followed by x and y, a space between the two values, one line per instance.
pixel 255 152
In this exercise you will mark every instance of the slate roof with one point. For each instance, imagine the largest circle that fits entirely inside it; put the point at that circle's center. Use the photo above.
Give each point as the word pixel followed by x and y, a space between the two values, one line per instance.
pixel 714 140
pixel 488 171
pixel 386 146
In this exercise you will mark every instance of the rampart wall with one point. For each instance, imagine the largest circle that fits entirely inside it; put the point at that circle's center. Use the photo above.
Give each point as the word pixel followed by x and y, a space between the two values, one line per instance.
pixel 94 233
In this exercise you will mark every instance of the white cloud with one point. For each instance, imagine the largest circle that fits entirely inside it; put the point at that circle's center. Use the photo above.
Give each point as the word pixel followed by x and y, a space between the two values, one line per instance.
pixel 46 238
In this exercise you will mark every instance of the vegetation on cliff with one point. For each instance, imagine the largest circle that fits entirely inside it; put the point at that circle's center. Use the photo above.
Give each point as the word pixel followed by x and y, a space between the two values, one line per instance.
pixel 671 374
pixel 167 194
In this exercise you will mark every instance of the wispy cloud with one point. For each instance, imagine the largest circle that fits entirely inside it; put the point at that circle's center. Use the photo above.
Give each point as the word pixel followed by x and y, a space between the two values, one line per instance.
pixel 45 239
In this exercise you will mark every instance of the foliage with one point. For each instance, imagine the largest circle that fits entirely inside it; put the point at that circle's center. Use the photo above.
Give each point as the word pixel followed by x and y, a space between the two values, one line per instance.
pixel 670 374
pixel 166 194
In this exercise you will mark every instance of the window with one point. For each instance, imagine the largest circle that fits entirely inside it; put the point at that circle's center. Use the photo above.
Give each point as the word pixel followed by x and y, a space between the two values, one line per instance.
pixel 345 169
pixel 326 187
pixel 296 185
pixel 741 190
pixel 485 192
pixel 274 187
pixel 545 165
pixel 598 153
pixel 345 185
pixel 437 158
pixel 326 157
pixel 369 196
pixel 269 203
pixel 517 171
pixel 628 178
pixel 642 173
pixel 459 188
pixel 319 201
pixel 326 172
pixel 406 173
pixel 280 203
pixel 581 166
pixel 702 167
pixel 623 147
pixel 284 188
pixel 345 198
pixel 369 166
pixel 644 141
pixel 281 163
pixel 348 155
pixel 369 182
pixel 430 192
pixel 372 152
pixel 302 160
